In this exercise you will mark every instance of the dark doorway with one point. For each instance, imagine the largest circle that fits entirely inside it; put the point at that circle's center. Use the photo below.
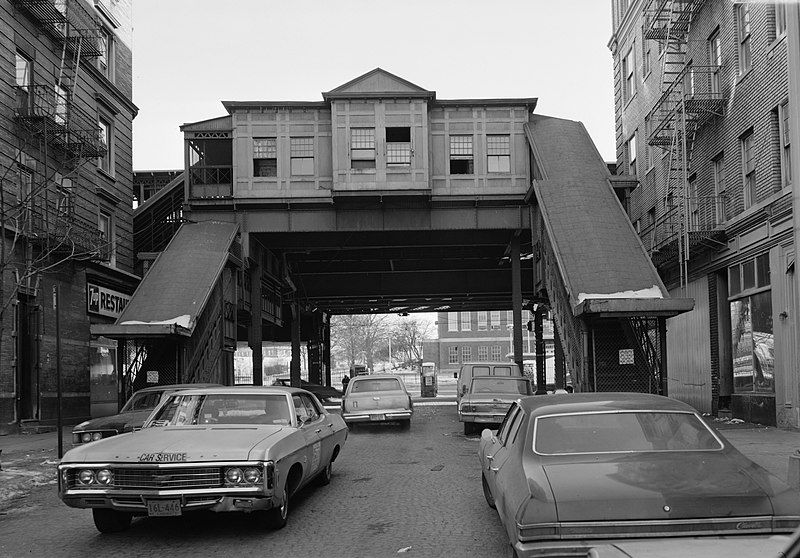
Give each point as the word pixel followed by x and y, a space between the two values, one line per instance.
pixel 27 319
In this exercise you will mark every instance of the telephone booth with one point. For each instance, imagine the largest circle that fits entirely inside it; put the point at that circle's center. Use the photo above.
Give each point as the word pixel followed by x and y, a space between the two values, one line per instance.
pixel 429 384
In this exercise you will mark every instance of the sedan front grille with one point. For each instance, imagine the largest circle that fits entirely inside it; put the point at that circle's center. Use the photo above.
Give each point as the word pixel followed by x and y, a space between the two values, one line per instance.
pixel 165 479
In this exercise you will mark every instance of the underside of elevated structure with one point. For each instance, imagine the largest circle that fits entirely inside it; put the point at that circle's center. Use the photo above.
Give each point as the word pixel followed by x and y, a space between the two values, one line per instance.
pixel 384 199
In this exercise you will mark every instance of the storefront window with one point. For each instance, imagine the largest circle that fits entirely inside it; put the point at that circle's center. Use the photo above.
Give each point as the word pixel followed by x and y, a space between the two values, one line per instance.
pixel 103 377
pixel 753 344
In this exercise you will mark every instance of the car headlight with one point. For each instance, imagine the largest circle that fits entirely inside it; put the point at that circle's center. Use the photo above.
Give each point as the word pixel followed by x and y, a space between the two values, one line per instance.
pixel 86 437
pixel 234 475
pixel 86 476
pixel 104 476
pixel 96 436
pixel 252 475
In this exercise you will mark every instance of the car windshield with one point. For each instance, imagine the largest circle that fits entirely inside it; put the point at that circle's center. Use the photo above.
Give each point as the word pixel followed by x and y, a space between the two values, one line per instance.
pixel 491 384
pixel 384 384
pixel 223 409
pixel 626 431
pixel 142 401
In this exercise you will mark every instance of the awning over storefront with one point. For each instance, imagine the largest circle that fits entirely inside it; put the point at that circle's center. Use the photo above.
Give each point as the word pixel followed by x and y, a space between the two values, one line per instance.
pixel 601 260
pixel 174 291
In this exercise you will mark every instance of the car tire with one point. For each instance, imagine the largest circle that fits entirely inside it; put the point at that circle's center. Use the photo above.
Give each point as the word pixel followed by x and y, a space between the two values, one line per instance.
pixel 405 424
pixel 487 493
pixel 277 517
pixel 468 428
pixel 111 521
pixel 324 478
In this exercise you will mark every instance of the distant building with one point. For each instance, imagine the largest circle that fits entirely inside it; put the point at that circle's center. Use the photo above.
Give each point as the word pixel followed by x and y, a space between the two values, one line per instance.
pixel 481 336
pixel 704 150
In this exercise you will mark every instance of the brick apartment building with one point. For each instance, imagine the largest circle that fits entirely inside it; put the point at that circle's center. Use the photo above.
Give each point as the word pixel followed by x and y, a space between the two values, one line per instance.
pixel 482 336
pixel 703 153
pixel 67 185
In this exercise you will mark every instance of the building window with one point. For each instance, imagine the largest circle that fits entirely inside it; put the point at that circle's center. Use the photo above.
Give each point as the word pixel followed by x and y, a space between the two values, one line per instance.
pixel 748 168
pixel 628 75
pixel 398 147
pixel 509 319
pixel 105 62
pixel 483 353
pixel 632 155
pixel 61 98
pixel 482 320
pixel 780 19
pixel 785 143
pixel 719 189
pixel 452 321
pixel 302 155
pixel 105 223
pixel 715 61
pixel 25 185
pixel 751 326
pixel 743 34
pixel 496 352
pixel 466 354
pixel 66 195
pixel 362 148
pixel 23 72
pixel 107 139
pixel 645 53
pixel 466 324
pixel 495 317
pixel 452 355
pixel 265 157
pixel 498 153
pixel 694 205
pixel 461 161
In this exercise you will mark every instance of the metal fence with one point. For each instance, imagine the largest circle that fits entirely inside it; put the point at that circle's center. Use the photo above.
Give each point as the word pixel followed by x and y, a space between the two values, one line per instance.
pixel 626 355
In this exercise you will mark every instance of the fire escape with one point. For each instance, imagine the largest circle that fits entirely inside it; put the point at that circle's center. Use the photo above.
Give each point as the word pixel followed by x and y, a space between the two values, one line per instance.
pixel 691 95
pixel 52 121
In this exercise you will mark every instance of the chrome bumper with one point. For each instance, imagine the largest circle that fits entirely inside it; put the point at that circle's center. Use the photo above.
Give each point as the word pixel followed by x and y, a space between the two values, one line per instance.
pixel 378 416
pixel 481 417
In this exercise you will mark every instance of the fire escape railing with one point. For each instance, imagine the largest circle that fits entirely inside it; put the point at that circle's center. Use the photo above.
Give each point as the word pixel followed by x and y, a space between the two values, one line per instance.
pixel 49 222
pixel 66 21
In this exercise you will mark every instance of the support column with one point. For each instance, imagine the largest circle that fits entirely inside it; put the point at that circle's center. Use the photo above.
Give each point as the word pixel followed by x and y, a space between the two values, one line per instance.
pixel 255 333
pixel 662 342
pixel 516 302
pixel 558 360
pixel 326 347
pixel 315 372
pixel 538 328
pixel 294 370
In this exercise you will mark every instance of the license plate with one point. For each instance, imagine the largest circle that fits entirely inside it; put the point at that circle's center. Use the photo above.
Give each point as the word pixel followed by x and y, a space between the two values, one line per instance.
pixel 377 417
pixel 163 508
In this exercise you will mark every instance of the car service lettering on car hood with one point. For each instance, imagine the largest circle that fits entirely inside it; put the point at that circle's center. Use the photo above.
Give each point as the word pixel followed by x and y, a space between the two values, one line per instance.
pixel 162 457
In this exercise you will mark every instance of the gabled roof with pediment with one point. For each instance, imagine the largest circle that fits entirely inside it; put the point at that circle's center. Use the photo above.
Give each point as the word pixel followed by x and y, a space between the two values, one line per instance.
pixel 378 83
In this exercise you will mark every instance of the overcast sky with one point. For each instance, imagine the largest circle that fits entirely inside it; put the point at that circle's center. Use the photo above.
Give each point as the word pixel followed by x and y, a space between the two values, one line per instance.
pixel 188 55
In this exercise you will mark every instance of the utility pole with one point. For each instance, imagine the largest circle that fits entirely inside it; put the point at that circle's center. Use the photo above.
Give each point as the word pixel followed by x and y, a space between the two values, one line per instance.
pixel 56 307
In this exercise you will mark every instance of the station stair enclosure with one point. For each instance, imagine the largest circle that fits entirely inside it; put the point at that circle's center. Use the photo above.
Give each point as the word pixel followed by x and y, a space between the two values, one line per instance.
pixel 609 304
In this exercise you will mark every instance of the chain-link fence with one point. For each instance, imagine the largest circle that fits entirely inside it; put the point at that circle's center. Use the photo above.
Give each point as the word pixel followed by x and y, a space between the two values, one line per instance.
pixel 148 362
pixel 626 355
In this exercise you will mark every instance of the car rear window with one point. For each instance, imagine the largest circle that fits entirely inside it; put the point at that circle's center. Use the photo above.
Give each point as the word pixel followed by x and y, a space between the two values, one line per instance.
pixel 502 370
pixel 142 401
pixel 389 384
pixel 491 384
pixel 627 431
pixel 223 409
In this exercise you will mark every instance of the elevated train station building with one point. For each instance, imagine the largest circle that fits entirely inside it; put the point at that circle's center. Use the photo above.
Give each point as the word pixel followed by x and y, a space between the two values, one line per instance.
pixel 383 198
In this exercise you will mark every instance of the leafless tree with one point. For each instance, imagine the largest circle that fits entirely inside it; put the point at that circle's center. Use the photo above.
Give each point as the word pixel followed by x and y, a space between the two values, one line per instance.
pixel 358 338
pixel 407 338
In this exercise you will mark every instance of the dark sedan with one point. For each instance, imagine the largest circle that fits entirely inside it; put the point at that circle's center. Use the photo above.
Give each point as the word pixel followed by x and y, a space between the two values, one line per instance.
pixel 131 416
pixel 326 394
pixel 570 472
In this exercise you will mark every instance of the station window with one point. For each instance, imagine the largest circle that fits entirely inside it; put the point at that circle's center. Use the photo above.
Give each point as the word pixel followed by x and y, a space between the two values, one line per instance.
pixel 265 157
pixel 398 146
pixel 362 148
pixel 495 319
pixel 482 321
pixel 498 153
pixel 461 160
pixel 452 321
pixel 302 155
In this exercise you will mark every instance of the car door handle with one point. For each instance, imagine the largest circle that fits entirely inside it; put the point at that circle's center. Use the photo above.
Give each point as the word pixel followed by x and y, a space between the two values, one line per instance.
pixel 493 469
pixel 330 426
pixel 318 430
pixel 490 457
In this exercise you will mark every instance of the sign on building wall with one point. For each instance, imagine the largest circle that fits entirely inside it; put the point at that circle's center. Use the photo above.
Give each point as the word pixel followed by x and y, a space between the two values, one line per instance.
pixel 105 302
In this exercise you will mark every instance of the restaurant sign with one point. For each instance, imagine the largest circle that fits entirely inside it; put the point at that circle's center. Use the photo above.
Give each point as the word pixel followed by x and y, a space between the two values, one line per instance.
pixel 105 302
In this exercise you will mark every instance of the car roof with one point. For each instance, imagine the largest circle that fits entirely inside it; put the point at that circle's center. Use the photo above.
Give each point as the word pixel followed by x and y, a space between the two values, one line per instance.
pixel 490 363
pixel 234 390
pixel 604 401
pixel 376 377
pixel 175 387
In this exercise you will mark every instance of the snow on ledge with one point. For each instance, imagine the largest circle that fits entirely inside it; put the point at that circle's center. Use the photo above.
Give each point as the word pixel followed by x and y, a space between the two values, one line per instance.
pixel 652 292
pixel 182 321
